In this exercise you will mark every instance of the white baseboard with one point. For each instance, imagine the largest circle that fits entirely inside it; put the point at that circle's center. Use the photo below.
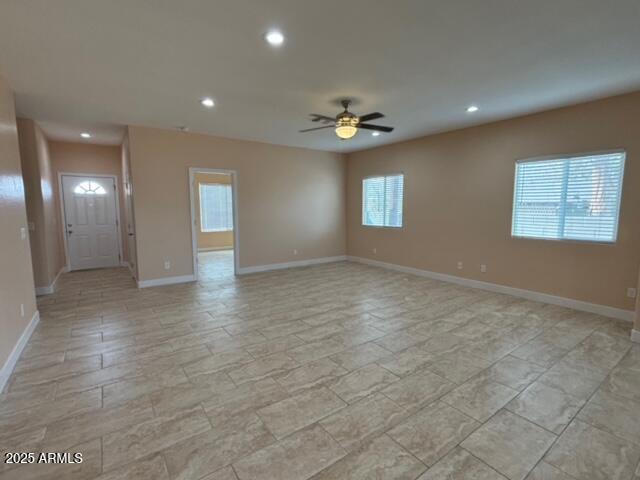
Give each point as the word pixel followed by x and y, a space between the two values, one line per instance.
pixel 298 263
pixel 214 249
pixel 157 282
pixel 48 290
pixel 635 335
pixel 124 263
pixel 10 364
pixel 604 310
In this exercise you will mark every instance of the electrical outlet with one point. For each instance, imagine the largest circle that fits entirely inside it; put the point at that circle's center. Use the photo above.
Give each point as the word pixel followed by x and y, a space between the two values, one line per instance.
pixel 167 265
pixel 631 292
pixel 459 265
pixel 23 233
pixel 22 309
pixel 483 268
pixel 295 252
pixel 375 250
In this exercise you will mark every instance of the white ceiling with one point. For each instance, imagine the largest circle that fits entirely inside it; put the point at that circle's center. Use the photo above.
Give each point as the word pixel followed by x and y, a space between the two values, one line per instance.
pixel 98 65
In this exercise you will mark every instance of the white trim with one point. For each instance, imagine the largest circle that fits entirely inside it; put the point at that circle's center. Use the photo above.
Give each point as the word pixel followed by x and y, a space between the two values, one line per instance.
pixel 13 357
pixel 635 335
pixel 64 217
pixel 214 249
pixel 157 282
pixel 51 288
pixel 236 222
pixel 297 263
pixel 604 310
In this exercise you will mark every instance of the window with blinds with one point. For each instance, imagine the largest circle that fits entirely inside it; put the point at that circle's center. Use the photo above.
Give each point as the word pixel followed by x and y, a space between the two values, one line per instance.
pixel 574 198
pixel 216 208
pixel 382 201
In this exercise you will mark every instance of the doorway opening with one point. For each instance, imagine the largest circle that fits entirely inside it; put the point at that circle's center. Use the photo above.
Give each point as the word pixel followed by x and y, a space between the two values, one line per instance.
pixel 213 223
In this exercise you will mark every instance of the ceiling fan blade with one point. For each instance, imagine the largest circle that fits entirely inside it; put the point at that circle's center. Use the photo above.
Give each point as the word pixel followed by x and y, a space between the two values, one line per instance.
pixel 316 128
pixel 315 117
pixel 371 116
pixel 378 128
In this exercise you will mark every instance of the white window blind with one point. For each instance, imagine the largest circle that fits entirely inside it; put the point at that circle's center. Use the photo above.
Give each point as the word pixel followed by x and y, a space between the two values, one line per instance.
pixel 216 211
pixel 382 201
pixel 575 198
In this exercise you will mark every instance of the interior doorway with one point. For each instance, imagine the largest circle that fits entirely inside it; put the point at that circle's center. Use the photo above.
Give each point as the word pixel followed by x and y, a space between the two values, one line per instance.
pixel 214 221
pixel 91 226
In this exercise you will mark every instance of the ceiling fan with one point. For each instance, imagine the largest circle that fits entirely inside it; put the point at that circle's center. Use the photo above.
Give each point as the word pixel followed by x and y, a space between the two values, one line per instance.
pixel 347 124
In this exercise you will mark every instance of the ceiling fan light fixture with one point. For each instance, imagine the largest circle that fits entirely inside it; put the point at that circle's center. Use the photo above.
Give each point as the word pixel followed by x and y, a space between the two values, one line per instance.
pixel 346 126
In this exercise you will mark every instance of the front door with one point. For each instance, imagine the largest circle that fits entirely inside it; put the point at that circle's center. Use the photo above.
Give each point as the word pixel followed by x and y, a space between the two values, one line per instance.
pixel 91 224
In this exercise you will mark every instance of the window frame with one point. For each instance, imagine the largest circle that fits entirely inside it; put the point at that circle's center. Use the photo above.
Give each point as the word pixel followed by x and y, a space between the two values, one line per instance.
pixel 396 174
pixel 569 157
pixel 200 185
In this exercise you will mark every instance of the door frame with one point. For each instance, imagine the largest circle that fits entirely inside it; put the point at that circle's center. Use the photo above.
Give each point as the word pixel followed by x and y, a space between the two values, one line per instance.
pixel 63 215
pixel 234 200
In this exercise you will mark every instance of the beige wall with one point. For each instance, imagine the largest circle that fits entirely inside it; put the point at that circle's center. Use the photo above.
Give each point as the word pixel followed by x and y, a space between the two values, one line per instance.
pixel 16 276
pixel 41 206
pixel 301 208
pixel 458 201
pixel 86 158
pixel 211 240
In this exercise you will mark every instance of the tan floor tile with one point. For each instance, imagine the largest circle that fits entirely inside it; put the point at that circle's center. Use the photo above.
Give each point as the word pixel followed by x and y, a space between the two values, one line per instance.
pixel 123 391
pixel 544 471
pixel 27 397
pixel 315 350
pixel 183 396
pixel 226 473
pixel 298 411
pixel 49 412
pixel 407 361
pixel 461 465
pixel 322 371
pixel 397 341
pixel 217 362
pixel 541 352
pixel 433 431
pixel 613 414
pixel 27 441
pixel 89 468
pixel 587 453
pixel 243 399
pixel 214 449
pixel 457 366
pixel 94 424
pixel 57 372
pixel 480 398
pixel 362 382
pixel 152 468
pixel 624 382
pixel 360 421
pixel 359 356
pixel 264 367
pixel 579 382
pixel 149 437
pixel 381 459
pixel 276 345
pixel 418 390
pixel 510 444
pixel 299 456
pixel 514 372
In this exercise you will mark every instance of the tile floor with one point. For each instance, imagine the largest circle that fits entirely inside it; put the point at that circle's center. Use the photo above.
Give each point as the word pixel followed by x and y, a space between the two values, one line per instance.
pixel 337 371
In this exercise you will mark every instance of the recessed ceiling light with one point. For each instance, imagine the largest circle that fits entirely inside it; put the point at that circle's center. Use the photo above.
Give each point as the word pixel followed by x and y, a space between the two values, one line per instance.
pixel 274 38
pixel 207 102
pixel 472 109
pixel 375 134
pixel 85 135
